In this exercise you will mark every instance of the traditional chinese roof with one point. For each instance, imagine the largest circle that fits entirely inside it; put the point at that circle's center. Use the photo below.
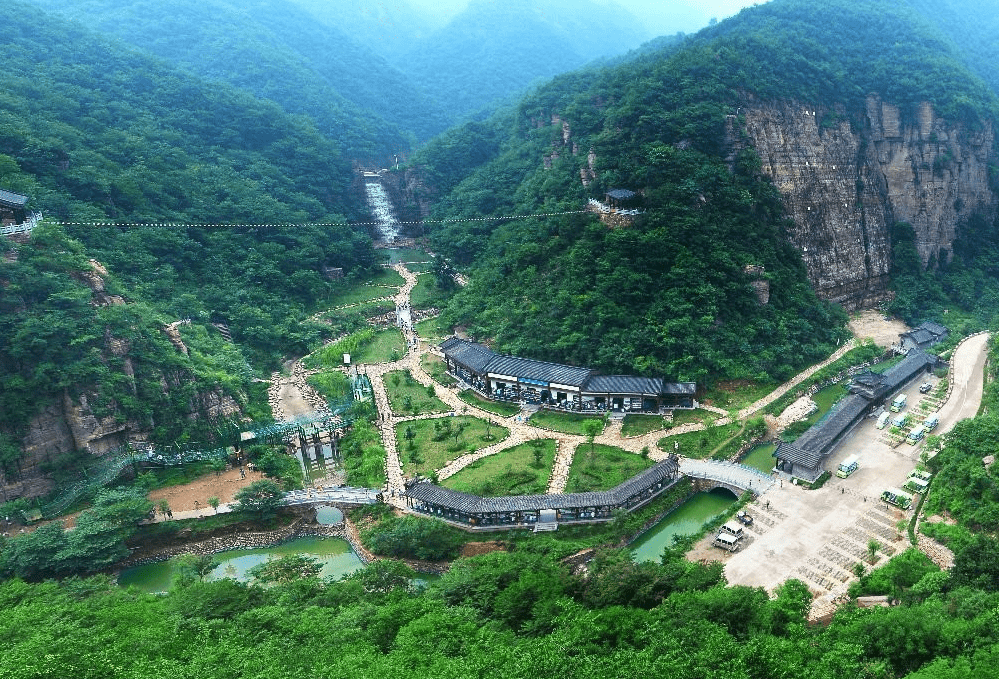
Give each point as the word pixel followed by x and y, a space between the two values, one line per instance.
pixel 621 194
pixel 12 199
pixel 472 355
pixel 539 371
pixel 435 495
pixel 926 333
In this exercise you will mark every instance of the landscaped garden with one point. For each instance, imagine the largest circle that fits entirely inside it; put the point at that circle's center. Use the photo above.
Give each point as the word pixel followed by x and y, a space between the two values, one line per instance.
pixel 522 470
pixel 639 425
pixel 408 397
pixel 700 444
pixel 427 445
pixel 431 329
pixel 385 346
pixel 597 467
pixel 496 407
pixel 434 366
pixel 566 423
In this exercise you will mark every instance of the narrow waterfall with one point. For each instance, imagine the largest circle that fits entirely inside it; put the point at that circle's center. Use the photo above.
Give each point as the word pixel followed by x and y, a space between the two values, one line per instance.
pixel 381 207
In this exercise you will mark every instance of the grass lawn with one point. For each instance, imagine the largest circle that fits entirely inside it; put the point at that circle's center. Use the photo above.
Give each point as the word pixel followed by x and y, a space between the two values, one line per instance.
pixel 637 425
pixel 435 367
pixel 511 472
pixel 332 384
pixel 409 397
pixel 365 310
pixel 431 329
pixel 567 423
pixel 700 444
pixel 386 345
pixel 696 415
pixel 387 277
pixel 737 395
pixel 422 455
pixel 495 407
pixel 603 467
pixel 357 294
pixel 426 294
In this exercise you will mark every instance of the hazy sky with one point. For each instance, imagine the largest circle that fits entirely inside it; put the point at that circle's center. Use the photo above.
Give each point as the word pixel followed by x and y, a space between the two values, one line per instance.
pixel 659 16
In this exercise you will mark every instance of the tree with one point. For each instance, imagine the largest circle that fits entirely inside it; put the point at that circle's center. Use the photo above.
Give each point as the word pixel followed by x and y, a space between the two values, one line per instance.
pixel 190 568
pixel 260 500
pixel 872 550
pixel 591 429
pixel 214 502
pixel 287 568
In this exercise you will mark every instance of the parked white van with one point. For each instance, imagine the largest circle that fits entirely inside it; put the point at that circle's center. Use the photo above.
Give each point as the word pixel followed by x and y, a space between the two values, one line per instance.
pixel 733 528
pixel 726 541
pixel 931 423
pixel 916 435
pixel 883 420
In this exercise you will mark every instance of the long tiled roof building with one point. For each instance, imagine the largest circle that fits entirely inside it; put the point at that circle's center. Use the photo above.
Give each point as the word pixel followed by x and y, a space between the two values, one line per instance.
pixel 496 375
pixel 528 510
pixel 804 457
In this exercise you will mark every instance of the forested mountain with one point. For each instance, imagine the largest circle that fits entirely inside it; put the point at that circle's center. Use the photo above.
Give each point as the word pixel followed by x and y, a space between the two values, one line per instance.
pixel 278 51
pixel 672 294
pixel 973 27
pixel 389 28
pixel 494 50
pixel 93 132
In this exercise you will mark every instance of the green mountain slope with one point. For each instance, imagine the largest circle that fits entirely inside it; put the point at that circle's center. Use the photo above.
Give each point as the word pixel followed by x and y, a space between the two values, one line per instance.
pixel 93 132
pixel 671 294
pixel 279 52
pixel 494 50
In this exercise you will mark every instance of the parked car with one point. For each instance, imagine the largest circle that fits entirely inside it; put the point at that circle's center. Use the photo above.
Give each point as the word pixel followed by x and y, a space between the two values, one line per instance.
pixel 744 518
pixel 925 388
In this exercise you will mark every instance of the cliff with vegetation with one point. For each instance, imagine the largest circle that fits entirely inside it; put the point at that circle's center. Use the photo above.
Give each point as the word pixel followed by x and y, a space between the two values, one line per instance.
pixel 847 175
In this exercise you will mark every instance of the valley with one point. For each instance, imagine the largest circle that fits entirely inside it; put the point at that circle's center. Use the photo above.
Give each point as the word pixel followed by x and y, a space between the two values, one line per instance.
pixel 605 330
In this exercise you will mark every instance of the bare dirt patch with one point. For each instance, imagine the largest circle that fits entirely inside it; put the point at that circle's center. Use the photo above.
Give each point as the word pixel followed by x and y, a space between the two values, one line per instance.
pixel 872 324
pixel 223 486
pixel 477 548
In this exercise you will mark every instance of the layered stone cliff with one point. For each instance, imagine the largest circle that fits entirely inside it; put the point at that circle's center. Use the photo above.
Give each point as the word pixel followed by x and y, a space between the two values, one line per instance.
pixel 847 176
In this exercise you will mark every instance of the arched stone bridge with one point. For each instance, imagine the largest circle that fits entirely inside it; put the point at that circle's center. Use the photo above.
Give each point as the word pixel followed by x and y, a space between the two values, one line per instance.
pixel 344 495
pixel 737 478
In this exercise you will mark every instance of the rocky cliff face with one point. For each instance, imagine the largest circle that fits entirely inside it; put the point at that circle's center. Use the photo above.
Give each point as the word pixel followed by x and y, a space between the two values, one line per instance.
pixel 70 424
pixel 847 176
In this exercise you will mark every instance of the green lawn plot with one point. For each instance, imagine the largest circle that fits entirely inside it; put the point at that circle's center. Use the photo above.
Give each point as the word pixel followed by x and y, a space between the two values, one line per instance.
pixel 681 416
pixel 405 255
pixel 434 366
pixel 408 397
pixel 427 445
pixel 638 425
pixel 385 346
pixel 737 395
pixel 359 294
pixel 600 467
pixel 495 407
pixel 426 294
pixel 332 384
pixel 432 330
pixel 388 278
pixel 566 423
pixel 331 355
pixel 700 444
pixel 420 267
pixel 524 469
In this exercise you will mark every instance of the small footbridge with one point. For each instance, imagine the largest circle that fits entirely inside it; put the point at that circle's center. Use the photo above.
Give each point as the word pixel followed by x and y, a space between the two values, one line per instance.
pixel 342 495
pixel 737 478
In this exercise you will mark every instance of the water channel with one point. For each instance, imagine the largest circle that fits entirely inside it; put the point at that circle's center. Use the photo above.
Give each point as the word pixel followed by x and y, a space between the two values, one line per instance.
pixel 686 519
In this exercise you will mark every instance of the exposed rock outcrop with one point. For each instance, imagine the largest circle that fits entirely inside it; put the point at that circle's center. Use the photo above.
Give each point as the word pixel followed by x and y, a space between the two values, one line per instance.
pixel 847 176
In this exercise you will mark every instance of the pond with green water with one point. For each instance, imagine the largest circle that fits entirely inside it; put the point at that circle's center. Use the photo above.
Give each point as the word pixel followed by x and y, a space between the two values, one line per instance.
pixel 336 556
pixel 687 519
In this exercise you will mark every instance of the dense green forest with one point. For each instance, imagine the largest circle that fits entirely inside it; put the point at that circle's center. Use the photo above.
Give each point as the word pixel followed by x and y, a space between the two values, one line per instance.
pixel 670 295
pixel 93 132
pixel 282 53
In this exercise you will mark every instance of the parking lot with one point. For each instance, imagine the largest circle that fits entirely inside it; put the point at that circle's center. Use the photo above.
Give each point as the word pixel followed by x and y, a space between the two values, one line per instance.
pixel 819 535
